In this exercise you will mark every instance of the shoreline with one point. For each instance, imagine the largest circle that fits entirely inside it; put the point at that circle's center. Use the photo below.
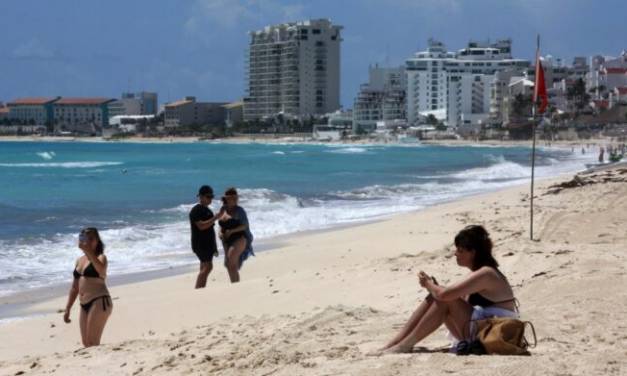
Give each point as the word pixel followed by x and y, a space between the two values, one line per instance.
pixel 270 139
pixel 318 303
pixel 18 305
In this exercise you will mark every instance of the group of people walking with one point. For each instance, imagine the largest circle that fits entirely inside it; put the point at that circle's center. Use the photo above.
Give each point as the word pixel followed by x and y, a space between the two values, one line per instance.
pixel 234 233
pixel 90 269
pixel 484 292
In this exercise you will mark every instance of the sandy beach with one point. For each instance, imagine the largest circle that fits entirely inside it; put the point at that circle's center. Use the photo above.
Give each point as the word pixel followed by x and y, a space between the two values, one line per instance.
pixel 319 302
pixel 271 139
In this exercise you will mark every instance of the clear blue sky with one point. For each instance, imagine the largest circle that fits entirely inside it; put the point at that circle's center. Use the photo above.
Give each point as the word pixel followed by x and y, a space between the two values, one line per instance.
pixel 197 47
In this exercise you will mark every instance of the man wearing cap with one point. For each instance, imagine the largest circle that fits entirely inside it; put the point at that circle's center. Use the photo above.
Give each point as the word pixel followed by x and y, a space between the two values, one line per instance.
pixel 201 219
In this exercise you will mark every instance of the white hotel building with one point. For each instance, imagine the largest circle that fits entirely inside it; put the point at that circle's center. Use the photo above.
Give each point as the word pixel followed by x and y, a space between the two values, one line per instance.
pixel 456 87
pixel 293 68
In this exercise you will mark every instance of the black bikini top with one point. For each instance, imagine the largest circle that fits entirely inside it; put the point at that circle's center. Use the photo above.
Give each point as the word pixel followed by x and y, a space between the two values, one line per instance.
pixel 89 272
pixel 476 299
pixel 230 223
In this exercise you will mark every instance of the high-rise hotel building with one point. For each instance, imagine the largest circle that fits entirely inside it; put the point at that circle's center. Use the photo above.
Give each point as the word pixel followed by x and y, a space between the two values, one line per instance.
pixel 294 69
pixel 456 86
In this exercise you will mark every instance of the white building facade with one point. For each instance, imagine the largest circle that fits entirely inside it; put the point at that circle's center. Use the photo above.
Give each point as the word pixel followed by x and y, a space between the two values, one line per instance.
pixel 606 74
pixel 82 114
pixel 383 98
pixel 293 68
pixel 143 103
pixel 456 87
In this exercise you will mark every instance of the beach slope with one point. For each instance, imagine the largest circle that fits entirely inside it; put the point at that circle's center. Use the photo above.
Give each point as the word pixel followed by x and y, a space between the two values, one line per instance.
pixel 319 302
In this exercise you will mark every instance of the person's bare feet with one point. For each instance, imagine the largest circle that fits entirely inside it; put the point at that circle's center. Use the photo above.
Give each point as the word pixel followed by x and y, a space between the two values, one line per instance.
pixel 398 349
pixel 377 352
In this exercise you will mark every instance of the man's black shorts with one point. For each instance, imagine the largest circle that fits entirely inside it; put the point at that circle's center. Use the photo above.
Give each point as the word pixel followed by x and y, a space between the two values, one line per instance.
pixel 206 255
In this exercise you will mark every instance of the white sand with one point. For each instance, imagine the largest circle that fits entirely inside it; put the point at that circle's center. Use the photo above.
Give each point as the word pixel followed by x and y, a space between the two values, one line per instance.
pixel 317 304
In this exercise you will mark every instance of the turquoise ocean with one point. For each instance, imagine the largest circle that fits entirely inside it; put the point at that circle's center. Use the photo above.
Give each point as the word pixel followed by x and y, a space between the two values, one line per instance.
pixel 139 194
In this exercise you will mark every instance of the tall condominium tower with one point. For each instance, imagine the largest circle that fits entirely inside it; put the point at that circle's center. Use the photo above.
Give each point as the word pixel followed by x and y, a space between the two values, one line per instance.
pixel 294 69
pixel 455 86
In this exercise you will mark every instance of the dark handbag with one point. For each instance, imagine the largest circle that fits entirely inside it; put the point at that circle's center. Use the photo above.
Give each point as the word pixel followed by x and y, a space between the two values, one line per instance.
pixel 470 348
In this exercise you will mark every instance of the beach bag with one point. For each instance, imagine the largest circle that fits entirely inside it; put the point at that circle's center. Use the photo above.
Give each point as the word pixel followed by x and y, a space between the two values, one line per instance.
pixel 504 336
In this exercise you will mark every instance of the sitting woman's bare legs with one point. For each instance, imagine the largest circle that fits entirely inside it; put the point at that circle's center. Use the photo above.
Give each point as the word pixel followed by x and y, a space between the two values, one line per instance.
pixel 411 323
pixel 455 314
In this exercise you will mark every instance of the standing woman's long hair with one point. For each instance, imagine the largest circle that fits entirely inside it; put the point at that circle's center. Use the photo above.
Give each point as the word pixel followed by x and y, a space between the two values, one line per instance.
pixel 92 233
pixel 476 238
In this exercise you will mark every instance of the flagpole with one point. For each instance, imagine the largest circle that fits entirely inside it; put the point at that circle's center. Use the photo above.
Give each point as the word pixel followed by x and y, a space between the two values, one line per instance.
pixel 534 111
pixel 533 163
pixel 533 137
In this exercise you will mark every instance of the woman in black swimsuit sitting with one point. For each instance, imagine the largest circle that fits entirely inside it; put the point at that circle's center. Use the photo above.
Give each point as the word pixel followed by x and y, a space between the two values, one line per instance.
pixel 89 285
pixel 483 293
pixel 235 234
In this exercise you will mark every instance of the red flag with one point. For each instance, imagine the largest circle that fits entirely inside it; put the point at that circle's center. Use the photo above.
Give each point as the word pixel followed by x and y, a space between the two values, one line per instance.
pixel 539 92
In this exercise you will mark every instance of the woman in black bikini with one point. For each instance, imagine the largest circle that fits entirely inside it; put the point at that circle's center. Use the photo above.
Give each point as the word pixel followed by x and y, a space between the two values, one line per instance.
pixel 89 285
pixel 484 293
pixel 235 234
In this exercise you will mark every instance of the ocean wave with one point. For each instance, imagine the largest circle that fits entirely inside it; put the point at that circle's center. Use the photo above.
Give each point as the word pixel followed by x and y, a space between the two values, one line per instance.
pixel 349 150
pixel 278 152
pixel 502 169
pixel 86 164
pixel 47 155
pixel 141 247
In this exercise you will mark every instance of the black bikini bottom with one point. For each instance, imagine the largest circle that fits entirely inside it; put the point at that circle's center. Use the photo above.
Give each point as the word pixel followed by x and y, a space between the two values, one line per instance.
pixel 233 238
pixel 106 303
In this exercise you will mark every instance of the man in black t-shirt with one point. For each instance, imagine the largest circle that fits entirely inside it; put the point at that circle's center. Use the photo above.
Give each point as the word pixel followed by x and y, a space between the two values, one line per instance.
pixel 201 220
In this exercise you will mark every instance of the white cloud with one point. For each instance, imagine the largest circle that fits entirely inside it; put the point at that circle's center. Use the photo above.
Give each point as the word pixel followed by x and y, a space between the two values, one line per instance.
pixel 33 49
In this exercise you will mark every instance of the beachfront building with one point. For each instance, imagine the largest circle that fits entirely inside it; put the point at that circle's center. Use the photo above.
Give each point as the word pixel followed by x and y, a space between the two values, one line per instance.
pixel 234 113
pixel 4 112
pixel 555 71
pixel 519 89
pixel 35 110
pixel 294 69
pixel 580 68
pixel 499 92
pixel 129 123
pixel 456 87
pixel 381 99
pixel 142 103
pixel 188 112
pixel 468 101
pixel 339 126
pixel 81 115
pixel 606 74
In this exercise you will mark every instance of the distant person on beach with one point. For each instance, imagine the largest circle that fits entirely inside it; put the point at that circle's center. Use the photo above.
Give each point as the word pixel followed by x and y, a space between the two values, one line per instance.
pixel 235 234
pixel 204 245
pixel 601 151
pixel 483 293
pixel 89 286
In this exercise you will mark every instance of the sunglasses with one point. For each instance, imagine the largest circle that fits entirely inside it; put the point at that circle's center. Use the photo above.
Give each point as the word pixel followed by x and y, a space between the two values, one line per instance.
pixel 82 238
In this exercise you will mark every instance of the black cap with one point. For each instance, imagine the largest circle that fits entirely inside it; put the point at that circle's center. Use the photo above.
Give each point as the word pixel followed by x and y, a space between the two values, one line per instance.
pixel 205 190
